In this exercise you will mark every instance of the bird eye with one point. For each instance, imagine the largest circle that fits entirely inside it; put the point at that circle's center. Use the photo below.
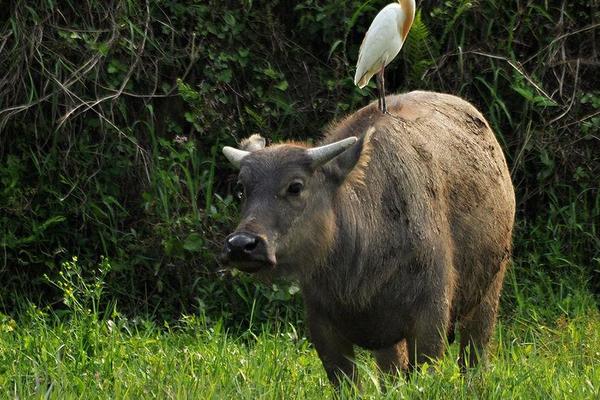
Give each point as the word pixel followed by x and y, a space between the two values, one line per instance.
pixel 295 188
pixel 240 190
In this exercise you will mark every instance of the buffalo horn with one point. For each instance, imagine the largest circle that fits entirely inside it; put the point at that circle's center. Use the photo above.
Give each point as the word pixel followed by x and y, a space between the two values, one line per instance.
pixel 234 155
pixel 320 155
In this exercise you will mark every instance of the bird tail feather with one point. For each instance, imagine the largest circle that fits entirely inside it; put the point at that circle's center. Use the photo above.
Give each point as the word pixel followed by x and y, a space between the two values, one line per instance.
pixel 364 81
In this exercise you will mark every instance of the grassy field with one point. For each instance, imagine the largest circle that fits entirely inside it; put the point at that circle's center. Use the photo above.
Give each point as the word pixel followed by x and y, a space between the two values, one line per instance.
pixel 545 352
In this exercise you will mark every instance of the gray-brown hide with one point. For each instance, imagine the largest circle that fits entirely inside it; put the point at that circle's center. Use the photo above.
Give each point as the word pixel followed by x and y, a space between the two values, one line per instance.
pixel 405 233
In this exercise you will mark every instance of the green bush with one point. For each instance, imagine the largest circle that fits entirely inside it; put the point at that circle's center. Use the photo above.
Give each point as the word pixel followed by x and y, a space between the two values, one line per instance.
pixel 112 115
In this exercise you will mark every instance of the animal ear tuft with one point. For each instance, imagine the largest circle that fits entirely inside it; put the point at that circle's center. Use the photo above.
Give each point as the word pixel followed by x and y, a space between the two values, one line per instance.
pixel 253 143
pixel 350 166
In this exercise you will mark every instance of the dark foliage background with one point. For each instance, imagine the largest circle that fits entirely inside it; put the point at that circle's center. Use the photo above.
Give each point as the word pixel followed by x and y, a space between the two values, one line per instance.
pixel 113 113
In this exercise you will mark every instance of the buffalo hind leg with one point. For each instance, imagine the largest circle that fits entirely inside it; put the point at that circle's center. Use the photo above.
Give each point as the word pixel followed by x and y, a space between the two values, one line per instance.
pixel 477 326
pixel 336 352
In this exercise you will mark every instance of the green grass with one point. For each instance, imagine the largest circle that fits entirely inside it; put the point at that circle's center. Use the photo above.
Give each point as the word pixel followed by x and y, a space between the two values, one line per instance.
pixel 545 352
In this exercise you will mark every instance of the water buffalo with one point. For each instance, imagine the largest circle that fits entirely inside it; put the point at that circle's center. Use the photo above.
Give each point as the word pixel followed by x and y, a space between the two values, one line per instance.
pixel 397 227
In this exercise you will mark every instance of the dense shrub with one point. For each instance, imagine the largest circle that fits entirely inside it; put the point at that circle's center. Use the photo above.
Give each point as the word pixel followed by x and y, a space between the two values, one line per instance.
pixel 112 115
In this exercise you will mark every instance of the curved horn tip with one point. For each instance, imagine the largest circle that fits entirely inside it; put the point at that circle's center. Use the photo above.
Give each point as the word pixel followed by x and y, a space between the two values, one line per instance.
pixel 234 155
pixel 322 154
pixel 347 142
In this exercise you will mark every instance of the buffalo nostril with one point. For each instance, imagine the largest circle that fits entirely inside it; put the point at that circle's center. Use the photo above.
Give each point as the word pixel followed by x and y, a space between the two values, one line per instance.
pixel 242 242
pixel 251 245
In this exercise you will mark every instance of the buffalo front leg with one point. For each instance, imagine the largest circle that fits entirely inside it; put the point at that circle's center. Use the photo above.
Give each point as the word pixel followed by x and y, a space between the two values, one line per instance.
pixel 428 338
pixel 393 359
pixel 336 352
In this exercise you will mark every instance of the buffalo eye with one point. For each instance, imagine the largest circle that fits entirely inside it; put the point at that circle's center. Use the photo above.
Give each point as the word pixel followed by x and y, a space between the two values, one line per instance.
pixel 295 188
pixel 240 190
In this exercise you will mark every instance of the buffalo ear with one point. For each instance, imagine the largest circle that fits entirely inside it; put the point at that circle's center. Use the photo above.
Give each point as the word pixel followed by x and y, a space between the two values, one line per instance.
pixel 253 143
pixel 351 165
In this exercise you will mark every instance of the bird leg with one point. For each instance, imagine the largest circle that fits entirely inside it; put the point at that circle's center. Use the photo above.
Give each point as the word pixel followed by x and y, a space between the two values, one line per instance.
pixel 379 104
pixel 381 79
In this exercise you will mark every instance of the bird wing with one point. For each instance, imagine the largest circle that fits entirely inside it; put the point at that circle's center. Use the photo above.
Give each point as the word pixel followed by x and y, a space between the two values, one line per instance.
pixel 381 44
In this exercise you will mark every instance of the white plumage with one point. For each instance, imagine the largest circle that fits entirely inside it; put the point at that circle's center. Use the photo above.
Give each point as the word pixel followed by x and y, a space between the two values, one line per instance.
pixel 382 43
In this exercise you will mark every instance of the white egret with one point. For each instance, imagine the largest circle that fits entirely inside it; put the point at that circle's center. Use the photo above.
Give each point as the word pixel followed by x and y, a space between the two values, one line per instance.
pixel 382 43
